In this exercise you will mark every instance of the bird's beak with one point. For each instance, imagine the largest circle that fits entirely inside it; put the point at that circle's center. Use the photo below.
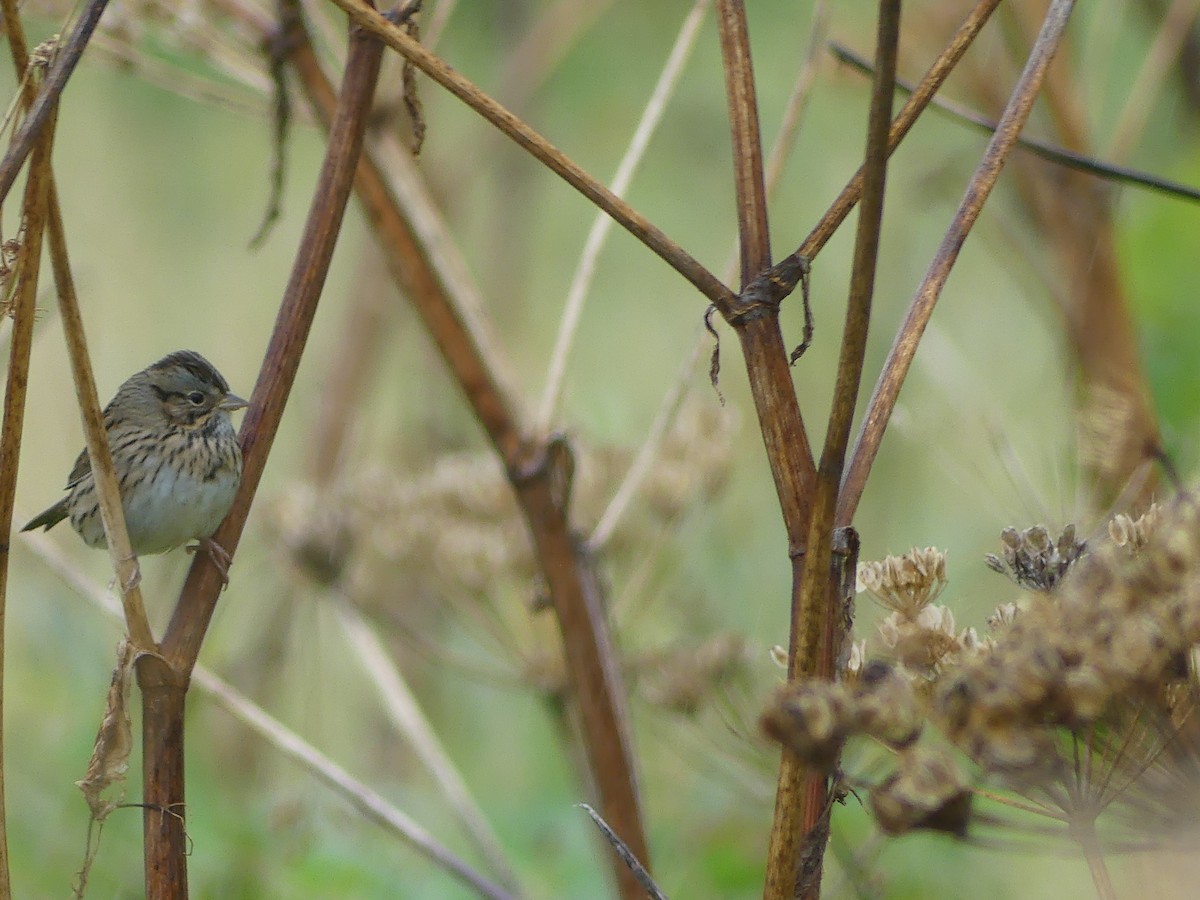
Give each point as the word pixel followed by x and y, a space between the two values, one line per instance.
pixel 232 402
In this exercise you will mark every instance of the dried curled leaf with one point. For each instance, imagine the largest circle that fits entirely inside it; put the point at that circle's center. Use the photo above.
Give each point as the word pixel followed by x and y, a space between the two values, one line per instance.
pixel 114 741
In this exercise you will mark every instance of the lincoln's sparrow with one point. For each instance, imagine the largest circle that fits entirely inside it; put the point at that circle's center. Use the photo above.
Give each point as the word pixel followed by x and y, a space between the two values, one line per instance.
pixel 176 456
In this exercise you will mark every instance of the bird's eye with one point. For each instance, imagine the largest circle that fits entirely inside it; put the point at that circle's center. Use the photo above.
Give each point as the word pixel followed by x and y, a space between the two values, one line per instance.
pixel 195 398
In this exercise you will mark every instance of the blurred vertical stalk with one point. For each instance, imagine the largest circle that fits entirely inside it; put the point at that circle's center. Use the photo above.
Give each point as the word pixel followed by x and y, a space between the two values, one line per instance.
pixel 33 220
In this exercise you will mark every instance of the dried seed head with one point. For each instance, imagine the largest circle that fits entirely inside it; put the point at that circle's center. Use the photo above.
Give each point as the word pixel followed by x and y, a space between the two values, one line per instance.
pixel 686 679
pixel 885 707
pixel 928 791
pixel 1134 533
pixel 779 656
pixel 812 719
pixel 1033 560
pixel 905 584
pixel 1003 616
pixel 920 644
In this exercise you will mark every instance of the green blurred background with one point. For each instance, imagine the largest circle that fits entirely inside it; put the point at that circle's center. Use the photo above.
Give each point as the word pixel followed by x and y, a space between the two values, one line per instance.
pixel 161 195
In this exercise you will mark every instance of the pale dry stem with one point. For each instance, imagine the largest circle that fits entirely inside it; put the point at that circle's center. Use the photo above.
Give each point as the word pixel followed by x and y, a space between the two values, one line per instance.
pixel 33 216
pixel 1148 83
pixel 581 282
pixel 409 720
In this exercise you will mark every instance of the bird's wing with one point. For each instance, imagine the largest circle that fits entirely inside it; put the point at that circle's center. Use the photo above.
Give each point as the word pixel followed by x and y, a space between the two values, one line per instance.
pixel 83 465
pixel 81 469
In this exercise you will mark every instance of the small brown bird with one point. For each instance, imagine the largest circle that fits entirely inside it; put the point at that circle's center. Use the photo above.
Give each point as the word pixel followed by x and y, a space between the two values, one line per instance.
pixel 177 460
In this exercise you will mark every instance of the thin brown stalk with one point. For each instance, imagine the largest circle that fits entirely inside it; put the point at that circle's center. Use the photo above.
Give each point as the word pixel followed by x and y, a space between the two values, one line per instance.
pixel 40 110
pixel 1085 834
pixel 789 125
pixel 108 494
pixel 757 326
pixel 887 388
pixel 28 265
pixel 755 316
pixel 16 388
pixel 407 717
pixel 1069 158
pixel 800 829
pixel 921 97
pixel 539 474
pixel 164 680
pixel 542 150
pixel 755 313
pixel 806 649
pixel 198 597
pixel 749 186
pixel 112 513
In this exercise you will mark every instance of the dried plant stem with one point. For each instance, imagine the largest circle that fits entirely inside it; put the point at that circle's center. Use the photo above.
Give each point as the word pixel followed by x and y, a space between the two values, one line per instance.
pixel 1051 152
pixel 33 215
pixel 539 475
pixel 741 100
pixel 108 494
pixel 164 680
pixel 887 389
pixel 800 829
pixel 40 110
pixel 542 486
pixel 581 283
pixel 542 150
pixel 1094 854
pixel 673 398
pixel 405 713
pixel 806 648
pixel 33 218
pixel 757 324
pixel 922 94
pixel 198 598
pixel 112 514
pixel 643 461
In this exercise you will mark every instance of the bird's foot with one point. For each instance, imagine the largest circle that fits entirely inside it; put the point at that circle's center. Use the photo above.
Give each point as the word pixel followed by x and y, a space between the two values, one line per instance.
pixel 217 555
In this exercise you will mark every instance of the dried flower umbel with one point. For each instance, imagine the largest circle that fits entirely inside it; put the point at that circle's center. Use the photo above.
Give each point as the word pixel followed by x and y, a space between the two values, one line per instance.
pixel 451 537
pixel 1078 709
pixel 1035 561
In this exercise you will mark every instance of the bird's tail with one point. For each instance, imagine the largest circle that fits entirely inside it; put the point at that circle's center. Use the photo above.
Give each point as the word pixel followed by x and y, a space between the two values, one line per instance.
pixel 49 518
